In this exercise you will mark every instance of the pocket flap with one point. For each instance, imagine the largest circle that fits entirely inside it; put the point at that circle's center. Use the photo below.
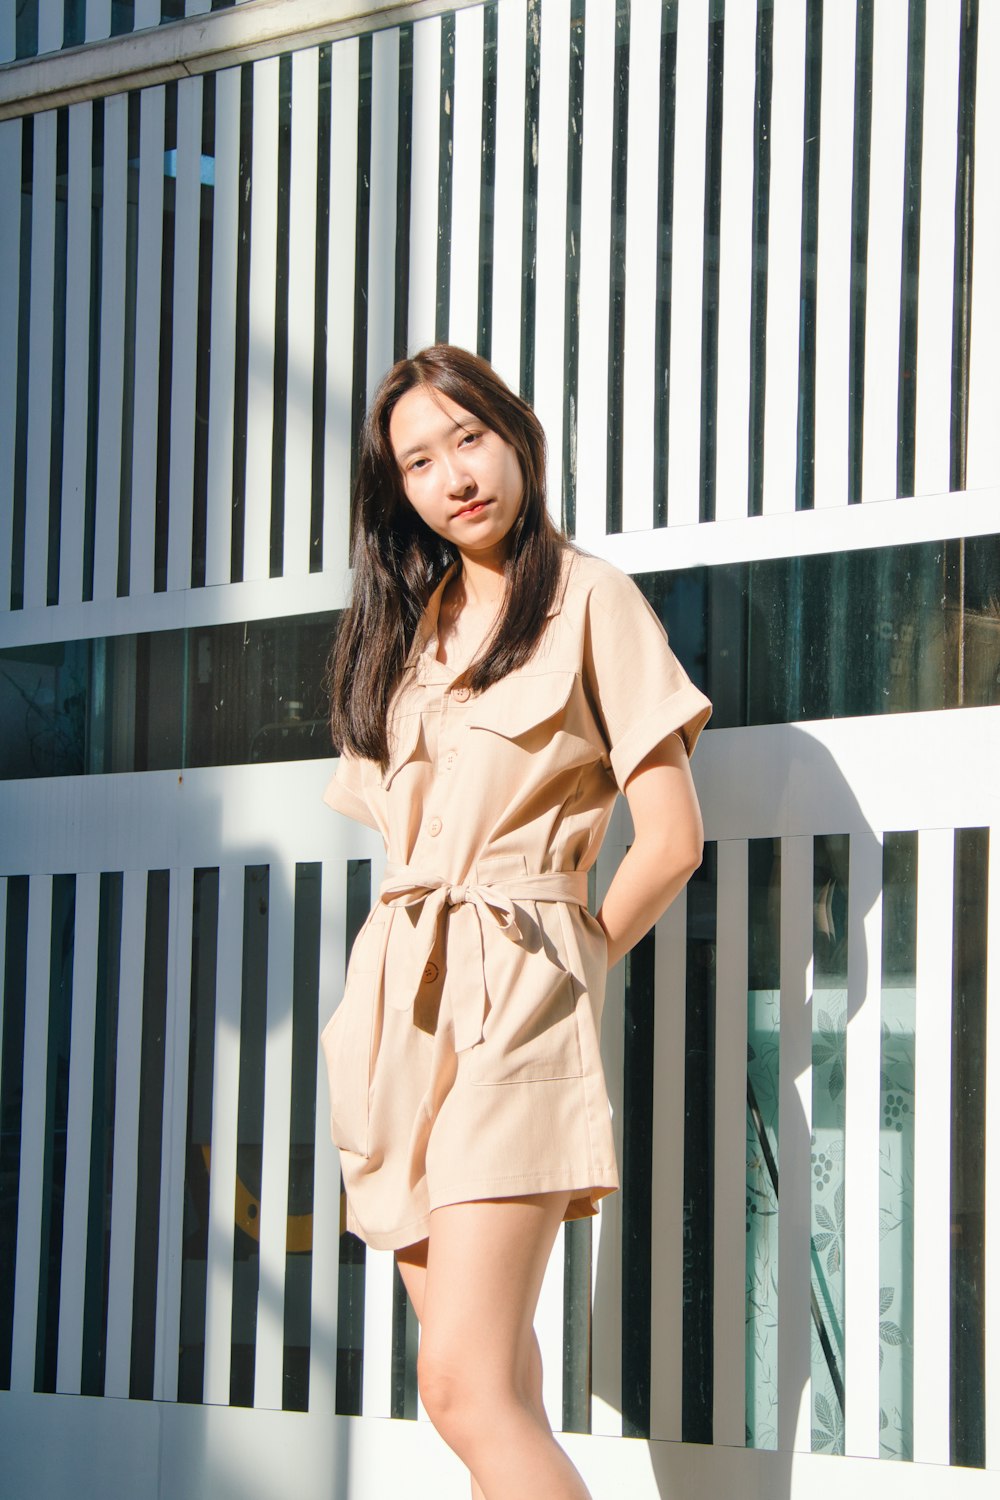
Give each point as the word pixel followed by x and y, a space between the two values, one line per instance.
pixel 517 704
pixel 404 737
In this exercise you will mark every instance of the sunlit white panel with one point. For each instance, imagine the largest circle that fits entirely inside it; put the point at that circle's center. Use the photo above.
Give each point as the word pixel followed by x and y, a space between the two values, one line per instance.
pixel 74 436
pixel 377 1370
pixel 147 13
pixel 10 258
pixel 984 368
pixel 463 312
pixel 508 215
pixel 729 1277
pixel 932 1107
pixel 225 222
pixel 833 256
pixel 40 323
pixel 639 385
pixel 187 231
pixel 991 1290
pixel 98 20
pixel 173 1163
pixel 688 246
pixel 595 249
pixel 885 238
pixel 8 34
pixel 732 418
pixel 861 1144
pixel 31 1177
pixel 382 206
pixel 424 182
pixel 936 286
pixel 301 311
pixel 667 1223
pixel 260 360
pixel 128 1059
pixel 784 256
pixel 550 262
pixel 146 407
pixel 794 1129
pixel 269 1350
pixel 109 393
pixel 50 25
pixel 550 1330
pixel 340 307
pixel 78 1126
pixel 225 1098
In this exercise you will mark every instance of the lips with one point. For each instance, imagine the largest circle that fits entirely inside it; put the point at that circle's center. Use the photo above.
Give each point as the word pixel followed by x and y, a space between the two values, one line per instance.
pixel 471 510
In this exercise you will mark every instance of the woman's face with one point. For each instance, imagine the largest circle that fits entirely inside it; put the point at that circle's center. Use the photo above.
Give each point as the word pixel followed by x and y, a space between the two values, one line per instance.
pixel 462 479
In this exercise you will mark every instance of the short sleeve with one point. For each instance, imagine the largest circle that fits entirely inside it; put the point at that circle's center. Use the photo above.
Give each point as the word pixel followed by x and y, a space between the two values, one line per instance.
pixel 345 793
pixel 639 688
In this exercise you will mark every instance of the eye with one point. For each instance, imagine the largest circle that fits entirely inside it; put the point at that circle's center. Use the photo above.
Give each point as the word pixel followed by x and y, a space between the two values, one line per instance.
pixel 469 437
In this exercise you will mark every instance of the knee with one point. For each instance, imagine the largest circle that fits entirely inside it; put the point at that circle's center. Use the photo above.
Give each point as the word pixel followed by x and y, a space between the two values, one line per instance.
pixel 447 1389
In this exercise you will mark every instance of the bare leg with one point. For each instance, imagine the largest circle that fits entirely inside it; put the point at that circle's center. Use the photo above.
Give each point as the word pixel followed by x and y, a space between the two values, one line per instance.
pixel 474 1285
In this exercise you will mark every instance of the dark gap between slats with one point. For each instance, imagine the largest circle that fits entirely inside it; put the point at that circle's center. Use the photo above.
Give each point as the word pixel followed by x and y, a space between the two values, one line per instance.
pixel 488 177
pixel 571 316
pixel 710 272
pixel 241 356
pixel 578 1257
pixel 166 368
pixel 61 948
pixel 697 1380
pixel 57 405
pixel 405 1340
pixel 279 418
pixel 906 400
pixel 203 351
pixel 805 448
pixel 860 194
pixel 150 1142
pixel 764 68
pixel 616 259
pixel 968 1148
pixel 637 1192
pixel 351 1258
pixel 128 360
pixel 529 221
pixel 664 259
pixel 446 129
pixel 23 348
pixel 198 1143
pixel 362 228
pixel 94 361
pixel 11 1097
pixel 102 1136
pixel 249 1135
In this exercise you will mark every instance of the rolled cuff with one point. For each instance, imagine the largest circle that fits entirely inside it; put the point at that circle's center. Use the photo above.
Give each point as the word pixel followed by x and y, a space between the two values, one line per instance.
pixel 685 712
pixel 343 800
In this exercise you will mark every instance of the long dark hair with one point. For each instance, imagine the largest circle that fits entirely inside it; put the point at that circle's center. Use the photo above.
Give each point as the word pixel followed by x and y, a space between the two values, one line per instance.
pixel 398 561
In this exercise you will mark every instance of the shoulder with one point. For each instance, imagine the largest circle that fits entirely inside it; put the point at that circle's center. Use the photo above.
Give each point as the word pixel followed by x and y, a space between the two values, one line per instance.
pixel 596 587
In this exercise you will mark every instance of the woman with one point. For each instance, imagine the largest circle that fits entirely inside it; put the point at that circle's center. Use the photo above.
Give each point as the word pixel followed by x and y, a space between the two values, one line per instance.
pixel 492 690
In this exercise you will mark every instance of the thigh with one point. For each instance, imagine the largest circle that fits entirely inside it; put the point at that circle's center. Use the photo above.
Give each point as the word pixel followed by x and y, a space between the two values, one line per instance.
pixel 412 1263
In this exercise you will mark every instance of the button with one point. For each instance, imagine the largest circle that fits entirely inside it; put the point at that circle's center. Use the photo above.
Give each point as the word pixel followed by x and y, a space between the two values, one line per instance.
pixel 434 827
pixel 460 694
pixel 430 974
pixel 450 759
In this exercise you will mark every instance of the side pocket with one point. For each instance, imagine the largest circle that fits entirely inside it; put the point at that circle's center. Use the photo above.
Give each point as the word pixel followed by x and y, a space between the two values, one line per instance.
pixel 347 1040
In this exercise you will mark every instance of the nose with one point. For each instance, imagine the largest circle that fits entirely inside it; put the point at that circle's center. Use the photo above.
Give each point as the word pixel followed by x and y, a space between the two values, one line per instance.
pixel 457 477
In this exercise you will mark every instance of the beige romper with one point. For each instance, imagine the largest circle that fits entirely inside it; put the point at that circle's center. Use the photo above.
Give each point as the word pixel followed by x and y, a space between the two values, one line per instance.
pixel 464 1057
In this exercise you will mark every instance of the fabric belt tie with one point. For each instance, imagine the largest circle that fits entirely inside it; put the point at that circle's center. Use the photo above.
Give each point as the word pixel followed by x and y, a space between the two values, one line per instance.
pixel 471 914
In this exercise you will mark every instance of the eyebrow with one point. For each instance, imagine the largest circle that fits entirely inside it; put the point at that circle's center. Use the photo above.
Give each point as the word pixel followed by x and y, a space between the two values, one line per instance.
pixel 419 447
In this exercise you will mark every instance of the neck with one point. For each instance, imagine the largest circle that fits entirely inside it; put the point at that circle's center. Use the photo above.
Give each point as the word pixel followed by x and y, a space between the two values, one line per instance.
pixel 482 578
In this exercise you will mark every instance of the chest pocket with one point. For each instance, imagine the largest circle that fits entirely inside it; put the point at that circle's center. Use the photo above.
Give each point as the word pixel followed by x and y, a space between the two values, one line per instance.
pixel 536 712
pixel 404 746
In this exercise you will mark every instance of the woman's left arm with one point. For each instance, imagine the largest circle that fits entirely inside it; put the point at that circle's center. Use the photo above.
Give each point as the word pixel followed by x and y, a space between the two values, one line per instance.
pixel 666 851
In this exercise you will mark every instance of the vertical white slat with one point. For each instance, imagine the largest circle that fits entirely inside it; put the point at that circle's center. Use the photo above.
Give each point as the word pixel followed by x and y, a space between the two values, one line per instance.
pixel 382 205
pixel 78 1125
pixel 32 1166
pixel 606 1323
pixel 550 262
pixel 594 252
pixel 184 372
pixel 729 1280
pixel 861 1145
pixel 41 314
pixel 667 1272
pixel 340 307
pixel 263 274
pixel 735 263
pixel 932 1148
pixel 784 255
pixel 8 34
pixel 301 311
pixel 467 150
pixel 222 1167
pixel 424 182
pixel 508 215
pixel 688 243
pixel 377 1371
pixel 983 466
pixel 991 1197
pixel 794 1128
pixel 146 409
pixel 74 477
pixel 98 23
pixel 109 394
pixel 550 1327
pixel 326 1184
pixel 197 7
pixel 177 1035
pixel 147 13
pixel 269 1351
pixel 639 386
pixel 50 25
pixel 936 286
pixel 833 256
pixel 128 1057
pixel 10 285
pixel 225 232
pixel 885 240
